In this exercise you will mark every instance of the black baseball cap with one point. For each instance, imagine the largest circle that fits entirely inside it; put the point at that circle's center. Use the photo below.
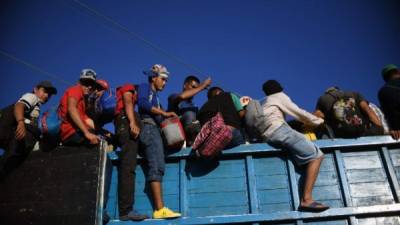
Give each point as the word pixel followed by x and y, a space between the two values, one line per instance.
pixel 48 86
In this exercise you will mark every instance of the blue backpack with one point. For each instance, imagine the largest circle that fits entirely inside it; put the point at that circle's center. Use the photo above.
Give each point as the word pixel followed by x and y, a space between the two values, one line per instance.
pixel 105 106
pixel 50 122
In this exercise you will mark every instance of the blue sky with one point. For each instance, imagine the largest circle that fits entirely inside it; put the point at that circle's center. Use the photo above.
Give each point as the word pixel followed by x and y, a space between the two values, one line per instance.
pixel 307 45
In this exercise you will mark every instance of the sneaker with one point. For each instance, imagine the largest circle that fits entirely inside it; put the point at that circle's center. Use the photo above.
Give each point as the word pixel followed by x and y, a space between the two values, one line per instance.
pixel 165 213
pixel 134 216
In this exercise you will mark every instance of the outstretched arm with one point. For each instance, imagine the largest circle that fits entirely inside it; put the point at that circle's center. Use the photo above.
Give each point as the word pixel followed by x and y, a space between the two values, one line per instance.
pixel 192 92
pixel 292 109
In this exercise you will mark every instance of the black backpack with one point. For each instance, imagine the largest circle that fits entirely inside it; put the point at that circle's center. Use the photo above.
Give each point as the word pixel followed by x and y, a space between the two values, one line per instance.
pixel 347 121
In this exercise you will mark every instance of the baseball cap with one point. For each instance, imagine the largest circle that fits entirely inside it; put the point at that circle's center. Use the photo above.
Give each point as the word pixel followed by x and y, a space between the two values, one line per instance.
pixel 331 89
pixel 157 70
pixel 88 74
pixel 48 86
pixel 387 69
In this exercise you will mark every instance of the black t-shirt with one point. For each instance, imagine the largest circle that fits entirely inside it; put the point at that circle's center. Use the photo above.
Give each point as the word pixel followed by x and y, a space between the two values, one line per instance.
pixel 180 107
pixel 389 98
pixel 221 103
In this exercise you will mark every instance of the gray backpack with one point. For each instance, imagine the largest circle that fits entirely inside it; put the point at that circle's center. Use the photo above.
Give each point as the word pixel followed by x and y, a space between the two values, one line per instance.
pixel 255 121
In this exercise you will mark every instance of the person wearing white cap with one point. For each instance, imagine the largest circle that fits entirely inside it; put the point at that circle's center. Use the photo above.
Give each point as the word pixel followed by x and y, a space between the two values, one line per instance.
pixel 151 114
pixel 76 127
pixel 19 126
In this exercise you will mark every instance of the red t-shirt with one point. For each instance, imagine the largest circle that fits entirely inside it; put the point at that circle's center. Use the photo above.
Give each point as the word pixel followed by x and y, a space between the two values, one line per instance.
pixel 68 127
pixel 120 97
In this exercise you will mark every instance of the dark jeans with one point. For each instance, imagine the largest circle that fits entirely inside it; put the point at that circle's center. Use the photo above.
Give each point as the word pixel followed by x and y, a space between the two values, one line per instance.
pixel 237 138
pixel 127 166
pixel 15 151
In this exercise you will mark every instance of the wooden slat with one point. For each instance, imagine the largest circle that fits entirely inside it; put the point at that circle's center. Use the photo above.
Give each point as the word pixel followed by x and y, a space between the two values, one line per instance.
pixel 362 162
pixel 393 180
pixel 252 185
pixel 183 190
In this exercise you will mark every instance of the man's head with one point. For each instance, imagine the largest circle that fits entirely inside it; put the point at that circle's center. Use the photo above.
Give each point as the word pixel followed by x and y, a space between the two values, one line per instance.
pixel 190 82
pixel 214 91
pixel 157 76
pixel 271 87
pixel 390 72
pixel 332 89
pixel 88 81
pixel 44 90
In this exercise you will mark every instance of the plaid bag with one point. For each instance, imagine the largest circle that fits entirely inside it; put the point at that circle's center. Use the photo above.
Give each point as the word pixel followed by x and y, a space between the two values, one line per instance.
pixel 214 136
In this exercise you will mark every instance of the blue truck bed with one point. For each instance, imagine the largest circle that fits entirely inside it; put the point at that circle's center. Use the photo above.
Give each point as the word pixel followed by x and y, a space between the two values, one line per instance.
pixel 257 184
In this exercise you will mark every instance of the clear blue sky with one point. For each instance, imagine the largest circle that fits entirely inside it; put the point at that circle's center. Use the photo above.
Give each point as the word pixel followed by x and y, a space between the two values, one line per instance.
pixel 307 45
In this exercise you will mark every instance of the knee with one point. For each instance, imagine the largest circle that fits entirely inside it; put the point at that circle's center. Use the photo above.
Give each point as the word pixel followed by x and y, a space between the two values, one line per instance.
pixel 156 173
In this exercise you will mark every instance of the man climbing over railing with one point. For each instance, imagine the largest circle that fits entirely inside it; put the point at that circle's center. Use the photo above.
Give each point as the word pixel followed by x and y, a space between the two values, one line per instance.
pixel 221 121
pixel 182 104
pixel 348 114
pixel 279 134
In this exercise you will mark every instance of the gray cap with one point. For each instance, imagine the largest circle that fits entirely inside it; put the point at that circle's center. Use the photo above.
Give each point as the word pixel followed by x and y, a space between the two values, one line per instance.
pixel 48 86
pixel 88 74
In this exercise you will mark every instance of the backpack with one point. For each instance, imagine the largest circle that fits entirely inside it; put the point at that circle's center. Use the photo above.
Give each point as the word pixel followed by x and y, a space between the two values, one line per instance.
pixel 255 121
pixel 107 103
pixel 347 119
pixel 50 122
pixel 214 136
pixel 173 133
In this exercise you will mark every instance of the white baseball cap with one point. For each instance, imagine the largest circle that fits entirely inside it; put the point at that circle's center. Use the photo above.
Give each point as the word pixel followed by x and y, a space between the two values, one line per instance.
pixel 157 70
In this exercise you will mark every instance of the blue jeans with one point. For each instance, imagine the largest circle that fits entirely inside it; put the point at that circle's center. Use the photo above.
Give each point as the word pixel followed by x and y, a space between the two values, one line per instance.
pixel 187 118
pixel 301 150
pixel 153 148
pixel 237 138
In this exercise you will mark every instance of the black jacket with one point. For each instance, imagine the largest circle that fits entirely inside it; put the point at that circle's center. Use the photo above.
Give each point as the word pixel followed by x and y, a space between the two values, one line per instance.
pixel 221 103
pixel 389 98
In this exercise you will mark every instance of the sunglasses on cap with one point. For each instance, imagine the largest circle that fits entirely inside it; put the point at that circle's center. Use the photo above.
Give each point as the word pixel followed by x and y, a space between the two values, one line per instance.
pixel 88 82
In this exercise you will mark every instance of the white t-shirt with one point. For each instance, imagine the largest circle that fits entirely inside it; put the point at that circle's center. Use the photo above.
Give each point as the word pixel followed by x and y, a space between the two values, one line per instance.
pixel 278 105
pixel 32 107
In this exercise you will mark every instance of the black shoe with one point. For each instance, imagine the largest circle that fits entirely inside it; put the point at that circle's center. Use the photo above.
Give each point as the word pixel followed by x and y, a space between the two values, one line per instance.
pixel 106 218
pixel 134 216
